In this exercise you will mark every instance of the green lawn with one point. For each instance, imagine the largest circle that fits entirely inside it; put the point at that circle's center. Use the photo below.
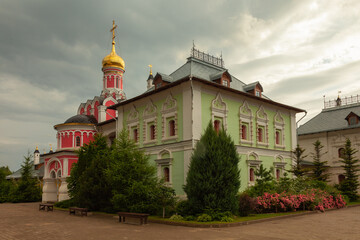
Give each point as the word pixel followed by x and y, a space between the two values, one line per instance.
pixel 236 219
pixel 354 203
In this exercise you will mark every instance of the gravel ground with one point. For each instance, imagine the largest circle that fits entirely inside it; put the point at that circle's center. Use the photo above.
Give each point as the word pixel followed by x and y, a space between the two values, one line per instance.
pixel 25 221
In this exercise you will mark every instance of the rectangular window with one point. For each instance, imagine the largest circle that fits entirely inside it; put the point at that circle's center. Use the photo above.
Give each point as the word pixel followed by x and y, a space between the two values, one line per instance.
pixel 257 93
pixel 278 137
pixel 135 134
pixel 245 131
pixel 225 83
pixel 151 129
pixel 217 124
pixel 260 134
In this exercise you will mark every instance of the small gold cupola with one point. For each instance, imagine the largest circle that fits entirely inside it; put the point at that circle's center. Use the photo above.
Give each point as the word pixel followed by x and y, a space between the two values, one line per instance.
pixel 113 60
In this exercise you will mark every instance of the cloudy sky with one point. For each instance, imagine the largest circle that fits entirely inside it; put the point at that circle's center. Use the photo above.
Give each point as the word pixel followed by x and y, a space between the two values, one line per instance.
pixel 51 53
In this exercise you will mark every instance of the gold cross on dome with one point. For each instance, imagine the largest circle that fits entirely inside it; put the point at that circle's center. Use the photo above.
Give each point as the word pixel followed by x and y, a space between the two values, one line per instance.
pixel 113 30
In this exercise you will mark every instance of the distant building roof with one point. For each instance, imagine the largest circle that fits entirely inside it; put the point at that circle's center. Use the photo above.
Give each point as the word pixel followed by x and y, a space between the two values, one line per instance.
pixel 331 119
pixel 39 173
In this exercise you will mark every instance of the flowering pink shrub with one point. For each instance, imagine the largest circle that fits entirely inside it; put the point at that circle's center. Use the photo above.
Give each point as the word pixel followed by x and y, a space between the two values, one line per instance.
pixel 313 199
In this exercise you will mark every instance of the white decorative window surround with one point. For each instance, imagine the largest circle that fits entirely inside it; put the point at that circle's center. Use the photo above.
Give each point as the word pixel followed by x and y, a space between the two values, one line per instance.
pixel 245 118
pixel 169 113
pixel 133 124
pixel 279 165
pixel 149 117
pixel 262 127
pixel 253 163
pixel 219 110
pixel 164 161
pixel 279 126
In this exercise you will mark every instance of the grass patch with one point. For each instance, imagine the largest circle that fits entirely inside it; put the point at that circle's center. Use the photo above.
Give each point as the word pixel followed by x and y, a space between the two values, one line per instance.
pixel 236 219
pixel 354 203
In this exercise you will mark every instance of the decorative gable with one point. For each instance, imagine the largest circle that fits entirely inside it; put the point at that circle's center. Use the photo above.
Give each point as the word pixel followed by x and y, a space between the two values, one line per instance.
pixel 219 111
pixel 169 104
pixel 218 103
pixel 150 109
pixel 133 115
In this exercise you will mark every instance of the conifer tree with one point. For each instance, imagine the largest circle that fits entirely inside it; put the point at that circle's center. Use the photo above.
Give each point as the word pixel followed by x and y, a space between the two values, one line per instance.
pixel 213 178
pixel 133 180
pixel 86 184
pixel 351 167
pixel 263 180
pixel 319 170
pixel 28 189
pixel 298 157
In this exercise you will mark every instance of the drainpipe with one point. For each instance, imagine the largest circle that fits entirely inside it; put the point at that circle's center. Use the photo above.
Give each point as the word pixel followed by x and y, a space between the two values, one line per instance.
pixel 192 110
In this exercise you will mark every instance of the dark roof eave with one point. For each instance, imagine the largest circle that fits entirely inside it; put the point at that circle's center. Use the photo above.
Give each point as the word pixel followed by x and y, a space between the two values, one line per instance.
pixel 106 122
pixel 52 153
pixel 298 110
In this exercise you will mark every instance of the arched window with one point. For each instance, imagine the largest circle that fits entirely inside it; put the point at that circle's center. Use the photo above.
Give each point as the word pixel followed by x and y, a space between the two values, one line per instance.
pixel 277 137
pixel 59 174
pixel 341 152
pixel 117 82
pixel 166 174
pixel 52 174
pixel 172 128
pixel 278 174
pixel 217 126
pixel 252 175
pixel 243 132
pixel 77 139
pixel 260 135
pixel 341 178
pixel 152 132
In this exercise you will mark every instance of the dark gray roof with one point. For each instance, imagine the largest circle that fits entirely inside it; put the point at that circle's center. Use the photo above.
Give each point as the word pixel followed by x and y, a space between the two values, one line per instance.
pixel 80 118
pixel 204 70
pixel 251 86
pixel 165 77
pixel 330 119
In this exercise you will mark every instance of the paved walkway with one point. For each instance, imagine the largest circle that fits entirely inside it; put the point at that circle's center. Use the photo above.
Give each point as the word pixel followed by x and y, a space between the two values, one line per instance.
pixel 25 221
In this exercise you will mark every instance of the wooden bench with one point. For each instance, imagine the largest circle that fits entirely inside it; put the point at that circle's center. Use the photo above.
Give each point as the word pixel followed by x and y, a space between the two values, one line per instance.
pixel 143 216
pixel 82 211
pixel 47 206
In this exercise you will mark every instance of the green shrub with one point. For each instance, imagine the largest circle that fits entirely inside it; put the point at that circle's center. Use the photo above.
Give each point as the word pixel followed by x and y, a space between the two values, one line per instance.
pixel 226 219
pixel 204 218
pixel 190 218
pixel 176 217
pixel 65 204
pixel 183 208
pixel 217 215
pixel 247 204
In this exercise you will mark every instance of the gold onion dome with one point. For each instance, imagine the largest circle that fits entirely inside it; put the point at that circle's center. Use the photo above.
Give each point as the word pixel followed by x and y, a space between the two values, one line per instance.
pixel 113 60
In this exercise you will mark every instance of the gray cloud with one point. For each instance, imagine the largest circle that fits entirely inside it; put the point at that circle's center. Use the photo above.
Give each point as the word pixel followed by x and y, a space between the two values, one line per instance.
pixel 51 53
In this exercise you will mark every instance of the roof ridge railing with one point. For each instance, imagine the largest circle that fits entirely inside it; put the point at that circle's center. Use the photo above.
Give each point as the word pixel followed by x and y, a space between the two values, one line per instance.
pixel 341 101
pixel 218 61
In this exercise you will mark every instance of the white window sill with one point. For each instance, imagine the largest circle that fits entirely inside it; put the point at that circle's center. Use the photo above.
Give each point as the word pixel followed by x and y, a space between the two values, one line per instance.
pixel 170 138
pixel 243 141
pixel 263 144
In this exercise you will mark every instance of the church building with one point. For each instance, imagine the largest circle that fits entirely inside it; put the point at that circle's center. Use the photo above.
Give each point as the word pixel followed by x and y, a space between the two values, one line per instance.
pixel 167 121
